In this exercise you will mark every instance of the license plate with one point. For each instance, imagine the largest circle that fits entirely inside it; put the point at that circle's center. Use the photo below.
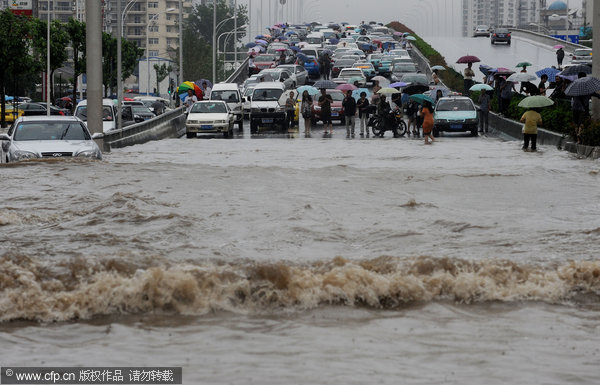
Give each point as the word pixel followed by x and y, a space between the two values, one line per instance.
pixel 335 114
pixel 456 126
pixel 206 126
pixel 267 120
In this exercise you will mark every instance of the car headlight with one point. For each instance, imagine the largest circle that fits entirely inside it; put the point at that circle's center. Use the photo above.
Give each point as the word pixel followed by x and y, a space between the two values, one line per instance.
pixel 24 155
pixel 89 154
pixel 220 121
pixel 280 109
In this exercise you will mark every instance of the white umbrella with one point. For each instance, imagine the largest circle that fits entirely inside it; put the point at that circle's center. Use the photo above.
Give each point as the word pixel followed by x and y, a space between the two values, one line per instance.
pixel 521 77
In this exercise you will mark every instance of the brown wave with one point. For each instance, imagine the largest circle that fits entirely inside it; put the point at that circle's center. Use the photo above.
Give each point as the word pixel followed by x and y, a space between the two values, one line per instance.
pixel 31 289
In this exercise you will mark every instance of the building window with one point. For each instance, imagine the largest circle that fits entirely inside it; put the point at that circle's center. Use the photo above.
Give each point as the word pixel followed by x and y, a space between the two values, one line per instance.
pixel 153 41
pixel 153 28
pixel 151 16
pixel 153 4
pixel 137 19
pixel 153 53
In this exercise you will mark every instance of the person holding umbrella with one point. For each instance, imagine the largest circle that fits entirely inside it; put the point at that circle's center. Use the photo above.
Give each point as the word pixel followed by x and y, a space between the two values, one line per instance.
pixel 484 110
pixel 306 108
pixel 469 75
pixel 363 112
pixel 532 119
pixel 190 99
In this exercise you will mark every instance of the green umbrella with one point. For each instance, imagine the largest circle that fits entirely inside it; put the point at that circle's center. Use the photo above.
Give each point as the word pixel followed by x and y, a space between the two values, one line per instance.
pixel 420 98
pixel 481 87
pixel 536 101
pixel 438 67
pixel 524 64
pixel 410 38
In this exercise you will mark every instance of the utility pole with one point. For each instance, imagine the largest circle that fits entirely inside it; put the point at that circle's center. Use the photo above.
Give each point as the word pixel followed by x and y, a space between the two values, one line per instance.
pixel 119 66
pixel 93 41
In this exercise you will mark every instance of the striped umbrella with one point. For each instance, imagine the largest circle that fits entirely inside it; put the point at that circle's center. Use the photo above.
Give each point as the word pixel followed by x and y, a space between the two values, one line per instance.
pixel 548 71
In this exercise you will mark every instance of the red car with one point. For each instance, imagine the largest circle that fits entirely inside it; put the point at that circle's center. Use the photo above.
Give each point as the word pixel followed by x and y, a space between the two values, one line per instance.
pixel 263 61
pixel 337 111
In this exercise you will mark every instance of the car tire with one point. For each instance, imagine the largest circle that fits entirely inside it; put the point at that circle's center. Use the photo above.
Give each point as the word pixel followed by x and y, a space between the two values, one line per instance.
pixel 241 125
pixel 474 131
pixel 190 135
pixel 253 127
pixel 436 132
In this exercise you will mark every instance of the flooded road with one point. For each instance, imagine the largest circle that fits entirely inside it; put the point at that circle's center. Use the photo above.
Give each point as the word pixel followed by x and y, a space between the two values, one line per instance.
pixel 307 260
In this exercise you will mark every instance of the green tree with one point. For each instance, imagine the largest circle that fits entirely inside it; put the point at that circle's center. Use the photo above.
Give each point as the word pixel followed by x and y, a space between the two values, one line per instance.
pixel 198 34
pixel 59 39
pixel 130 55
pixel 14 51
pixel 162 72
pixel 76 32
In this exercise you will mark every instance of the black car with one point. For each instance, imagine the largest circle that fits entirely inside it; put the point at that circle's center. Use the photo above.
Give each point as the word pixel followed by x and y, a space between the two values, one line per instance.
pixel 501 35
pixel 32 109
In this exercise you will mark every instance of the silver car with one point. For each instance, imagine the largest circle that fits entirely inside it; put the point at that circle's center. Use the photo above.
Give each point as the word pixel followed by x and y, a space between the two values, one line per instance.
pixel 298 70
pixel 58 137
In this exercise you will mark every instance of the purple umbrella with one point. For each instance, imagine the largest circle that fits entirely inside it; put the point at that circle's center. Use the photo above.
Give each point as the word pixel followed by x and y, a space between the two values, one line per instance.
pixel 468 59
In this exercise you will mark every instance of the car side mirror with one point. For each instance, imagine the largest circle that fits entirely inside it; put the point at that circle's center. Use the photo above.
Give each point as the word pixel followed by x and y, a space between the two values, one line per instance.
pixel 4 137
pixel 98 135
pixel 138 119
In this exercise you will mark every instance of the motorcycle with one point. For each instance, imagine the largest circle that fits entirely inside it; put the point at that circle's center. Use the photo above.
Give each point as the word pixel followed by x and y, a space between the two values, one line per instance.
pixel 391 122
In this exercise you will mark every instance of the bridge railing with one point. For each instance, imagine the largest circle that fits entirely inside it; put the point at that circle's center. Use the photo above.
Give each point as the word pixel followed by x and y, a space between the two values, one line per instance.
pixel 545 39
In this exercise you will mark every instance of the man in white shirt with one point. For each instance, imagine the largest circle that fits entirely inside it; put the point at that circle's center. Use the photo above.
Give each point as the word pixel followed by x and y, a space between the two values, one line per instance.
pixel 189 100
pixel 207 90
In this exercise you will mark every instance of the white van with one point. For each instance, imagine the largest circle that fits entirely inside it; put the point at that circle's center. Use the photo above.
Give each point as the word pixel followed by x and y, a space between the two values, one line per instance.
pixel 315 39
pixel 109 112
pixel 230 93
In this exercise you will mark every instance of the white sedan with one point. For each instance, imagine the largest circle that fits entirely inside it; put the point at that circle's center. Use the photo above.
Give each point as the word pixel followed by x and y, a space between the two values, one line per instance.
pixel 209 117
pixel 49 137
pixel 355 74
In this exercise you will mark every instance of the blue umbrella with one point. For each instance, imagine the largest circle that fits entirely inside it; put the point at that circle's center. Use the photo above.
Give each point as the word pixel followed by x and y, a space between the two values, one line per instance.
pixel 398 84
pixel 302 56
pixel 260 37
pixel 311 90
pixel 264 42
pixel 485 69
pixel 295 49
pixel 282 38
pixel 548 71
pixel 421 98
pixel 334 41
pixel 250 45
pixel 356 93
pixel 288 33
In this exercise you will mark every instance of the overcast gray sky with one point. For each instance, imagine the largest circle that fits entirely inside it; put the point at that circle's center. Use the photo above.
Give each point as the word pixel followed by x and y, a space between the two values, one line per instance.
pixel 443 17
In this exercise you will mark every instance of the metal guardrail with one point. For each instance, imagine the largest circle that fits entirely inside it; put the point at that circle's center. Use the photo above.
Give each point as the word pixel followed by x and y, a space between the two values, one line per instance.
pixel 545 39
pixel 240 74
pixel 168 125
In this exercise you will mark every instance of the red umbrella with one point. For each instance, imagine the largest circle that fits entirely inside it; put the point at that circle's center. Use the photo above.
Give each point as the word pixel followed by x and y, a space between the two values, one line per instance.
pixel 66 99
pixel 468 59
pixel 128 99
pixel 346 87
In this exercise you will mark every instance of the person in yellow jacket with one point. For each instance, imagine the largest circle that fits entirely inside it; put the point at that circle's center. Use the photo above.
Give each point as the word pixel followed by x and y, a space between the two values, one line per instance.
pixel 532 119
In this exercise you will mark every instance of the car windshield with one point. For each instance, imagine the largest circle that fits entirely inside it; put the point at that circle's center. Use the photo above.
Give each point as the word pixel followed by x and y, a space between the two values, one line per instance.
pixel 310 52
pixel 263 59
pixel 249 91
pixel 337 96
pixel 344 62
pixel 107 115
pixel 141 110
pixel 502 30
pixel 352 72
pixel 454 105
pixel 582 52
pixel 47 130
pixel 209 108
pixel 313 40
pixel 268 94
pixel 227 95
pixel 404 68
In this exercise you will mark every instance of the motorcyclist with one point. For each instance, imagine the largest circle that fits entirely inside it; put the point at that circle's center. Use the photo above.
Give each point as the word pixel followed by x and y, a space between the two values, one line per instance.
pixel 385 113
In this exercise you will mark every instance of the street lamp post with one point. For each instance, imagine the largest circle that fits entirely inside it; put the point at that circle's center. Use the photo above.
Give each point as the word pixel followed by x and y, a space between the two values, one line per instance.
pixel 215 29
pixel 48 80
pixel 150 21
pixel 225 43
pixel 120 33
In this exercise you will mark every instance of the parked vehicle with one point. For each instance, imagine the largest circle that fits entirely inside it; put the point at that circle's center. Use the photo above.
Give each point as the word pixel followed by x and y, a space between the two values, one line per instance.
pixel 230 93
pixel 109 112
pixel 263 61
pixel 299 71
pixel 339 65
pixel 482 30
pixel 281 75
pixel 265 109
pixel 455 114
pixel 56 137
pixel 209 117
pixel 355 74
pixel 367 69
pixel 501 35
pixel 312 67
pixel 582 56
pixel 399 70
pixel 392 122
pixel 33 108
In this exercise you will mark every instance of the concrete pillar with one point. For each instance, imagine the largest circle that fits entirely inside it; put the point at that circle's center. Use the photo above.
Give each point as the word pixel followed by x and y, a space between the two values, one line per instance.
pixel 93 42
pixel 596 59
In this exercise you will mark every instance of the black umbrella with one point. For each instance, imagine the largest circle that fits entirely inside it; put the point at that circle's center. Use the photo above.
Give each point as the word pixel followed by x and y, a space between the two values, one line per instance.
pixel 328 84
pixel 415 89
pixel 574 70
pixel 583 86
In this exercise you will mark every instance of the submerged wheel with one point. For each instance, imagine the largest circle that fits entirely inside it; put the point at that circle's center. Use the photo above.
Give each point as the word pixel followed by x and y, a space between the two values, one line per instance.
pixel 190 135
